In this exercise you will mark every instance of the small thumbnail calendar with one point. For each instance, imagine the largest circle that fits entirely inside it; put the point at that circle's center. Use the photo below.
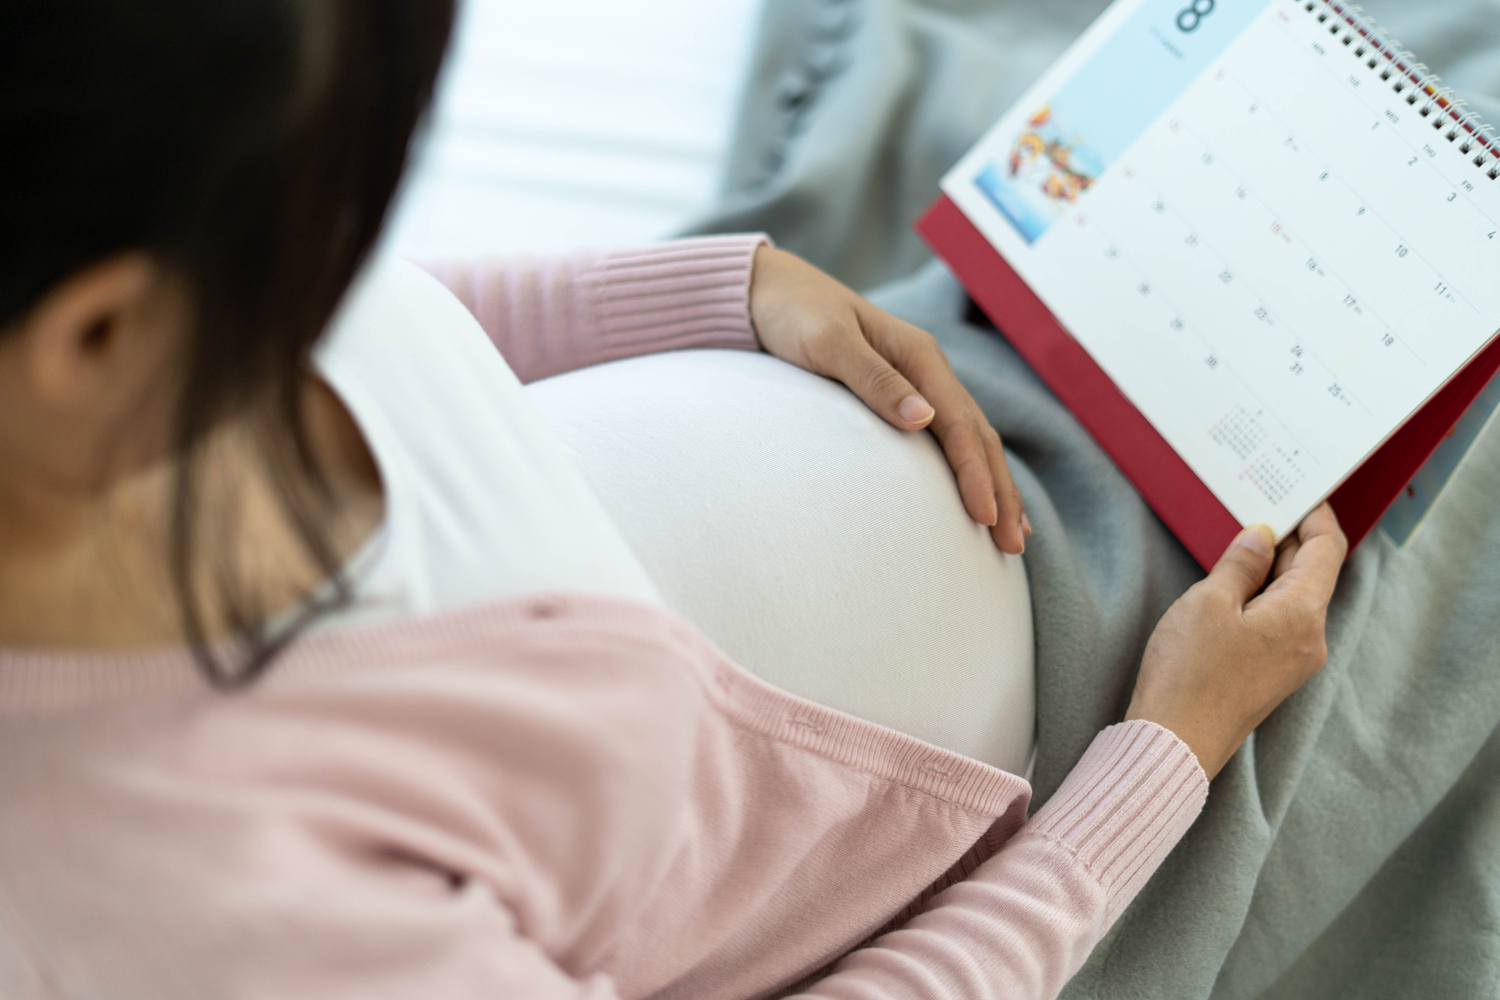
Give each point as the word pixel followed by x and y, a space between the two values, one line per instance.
pixel 1249 243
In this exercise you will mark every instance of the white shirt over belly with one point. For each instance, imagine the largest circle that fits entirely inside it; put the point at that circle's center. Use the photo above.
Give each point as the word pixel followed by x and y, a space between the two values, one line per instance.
pixel 821 548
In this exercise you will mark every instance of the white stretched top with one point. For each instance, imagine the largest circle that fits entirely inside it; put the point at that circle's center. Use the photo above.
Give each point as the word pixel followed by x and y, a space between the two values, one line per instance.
pixel 821 548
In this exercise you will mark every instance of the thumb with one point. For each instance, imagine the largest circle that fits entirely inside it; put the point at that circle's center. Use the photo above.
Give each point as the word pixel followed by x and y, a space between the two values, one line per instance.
pixel 883 389
pixel 1242 568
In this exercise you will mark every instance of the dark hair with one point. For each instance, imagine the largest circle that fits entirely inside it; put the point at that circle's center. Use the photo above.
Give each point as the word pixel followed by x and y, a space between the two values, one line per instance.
pixel 253 147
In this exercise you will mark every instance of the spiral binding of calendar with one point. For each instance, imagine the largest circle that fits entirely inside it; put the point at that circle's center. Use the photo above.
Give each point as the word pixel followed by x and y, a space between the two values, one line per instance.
pixel 1422 89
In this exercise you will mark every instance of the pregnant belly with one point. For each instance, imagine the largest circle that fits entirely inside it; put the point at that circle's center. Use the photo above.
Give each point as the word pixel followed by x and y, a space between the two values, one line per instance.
pixel 819 547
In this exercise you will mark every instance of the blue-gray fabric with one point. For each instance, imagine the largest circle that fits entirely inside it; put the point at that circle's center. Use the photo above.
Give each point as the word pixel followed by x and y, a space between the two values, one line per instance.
pixel 1352 847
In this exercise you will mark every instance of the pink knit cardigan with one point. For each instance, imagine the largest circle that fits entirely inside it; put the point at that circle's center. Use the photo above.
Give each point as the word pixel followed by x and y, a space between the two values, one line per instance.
pixel 555 797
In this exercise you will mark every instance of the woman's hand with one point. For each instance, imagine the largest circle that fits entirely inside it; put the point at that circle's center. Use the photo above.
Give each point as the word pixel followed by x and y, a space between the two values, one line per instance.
pixel 806 317
pixel 1222 657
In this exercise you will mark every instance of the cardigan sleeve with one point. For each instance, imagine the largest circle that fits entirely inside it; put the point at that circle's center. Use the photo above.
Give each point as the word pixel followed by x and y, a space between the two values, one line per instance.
pixel 1023 924
pixel 555 314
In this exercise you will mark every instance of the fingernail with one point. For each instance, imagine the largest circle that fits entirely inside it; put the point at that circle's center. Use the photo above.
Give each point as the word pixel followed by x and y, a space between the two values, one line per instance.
pixel 1258 538
pixel 915 410
pixel 1025 524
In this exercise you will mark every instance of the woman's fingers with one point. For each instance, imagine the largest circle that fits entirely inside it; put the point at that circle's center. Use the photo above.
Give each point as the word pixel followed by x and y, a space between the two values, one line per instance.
pixel 1242 569
pixel 966 455
pixel 1011 511
pixel 806 317
pixel 1313 571
pixel 1286 555
pixel 1295 606
pixel 972 446
pixel 877 383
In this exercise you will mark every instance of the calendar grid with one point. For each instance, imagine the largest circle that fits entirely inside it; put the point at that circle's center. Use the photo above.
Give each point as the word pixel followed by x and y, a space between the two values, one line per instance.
pixel 1225 219
pixel 1208 346
pixel 1333 174
pixel 1271 313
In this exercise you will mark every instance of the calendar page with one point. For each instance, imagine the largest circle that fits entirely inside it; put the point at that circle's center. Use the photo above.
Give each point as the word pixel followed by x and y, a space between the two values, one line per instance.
pixel 1268 228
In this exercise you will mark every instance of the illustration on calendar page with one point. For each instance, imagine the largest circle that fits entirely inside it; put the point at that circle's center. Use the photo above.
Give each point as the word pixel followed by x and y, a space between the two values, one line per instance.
pixel 1063 147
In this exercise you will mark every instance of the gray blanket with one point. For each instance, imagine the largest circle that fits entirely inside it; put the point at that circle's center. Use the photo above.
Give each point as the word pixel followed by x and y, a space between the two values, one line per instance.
pixel 1352 847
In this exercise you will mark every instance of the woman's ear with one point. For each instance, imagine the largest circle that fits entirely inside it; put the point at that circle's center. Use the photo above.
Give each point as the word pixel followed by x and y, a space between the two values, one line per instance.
pixel 91 339
pixel 88 375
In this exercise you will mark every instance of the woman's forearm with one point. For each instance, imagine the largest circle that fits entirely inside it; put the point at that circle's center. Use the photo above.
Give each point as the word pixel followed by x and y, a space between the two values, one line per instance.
pixel 1024 923
pixel 549 315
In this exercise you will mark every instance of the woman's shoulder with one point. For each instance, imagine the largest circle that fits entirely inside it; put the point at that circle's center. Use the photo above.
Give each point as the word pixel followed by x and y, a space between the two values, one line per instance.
pixel 482 500
pixel 373 787
pixel 397 322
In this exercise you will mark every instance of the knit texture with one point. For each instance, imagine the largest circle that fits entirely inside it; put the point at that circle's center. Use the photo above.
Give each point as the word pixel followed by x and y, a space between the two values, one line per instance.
pixel 552 315
pixel 1130 799
pixel 547 798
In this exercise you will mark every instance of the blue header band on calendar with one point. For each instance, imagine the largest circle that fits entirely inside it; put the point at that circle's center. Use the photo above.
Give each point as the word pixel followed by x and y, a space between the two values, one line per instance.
pixel 1093 118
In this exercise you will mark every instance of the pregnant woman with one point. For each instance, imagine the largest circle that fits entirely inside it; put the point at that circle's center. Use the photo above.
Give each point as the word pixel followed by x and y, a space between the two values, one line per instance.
pixel 335 663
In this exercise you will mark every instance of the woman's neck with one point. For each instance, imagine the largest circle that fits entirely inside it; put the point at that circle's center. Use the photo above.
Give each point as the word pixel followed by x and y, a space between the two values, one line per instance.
pixel 90 568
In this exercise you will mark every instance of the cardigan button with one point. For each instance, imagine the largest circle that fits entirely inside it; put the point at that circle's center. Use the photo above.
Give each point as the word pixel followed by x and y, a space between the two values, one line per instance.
pixel 545 609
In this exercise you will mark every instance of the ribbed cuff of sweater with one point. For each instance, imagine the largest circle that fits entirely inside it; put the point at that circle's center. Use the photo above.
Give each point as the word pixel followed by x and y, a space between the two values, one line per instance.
pixel 691 292
pixel 1132 796
pixel 556 314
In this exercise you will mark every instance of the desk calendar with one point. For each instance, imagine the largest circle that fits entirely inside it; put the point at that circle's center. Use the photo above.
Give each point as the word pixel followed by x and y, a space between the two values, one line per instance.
pixel 1252 245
